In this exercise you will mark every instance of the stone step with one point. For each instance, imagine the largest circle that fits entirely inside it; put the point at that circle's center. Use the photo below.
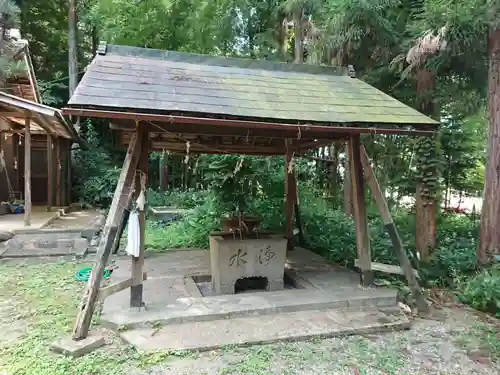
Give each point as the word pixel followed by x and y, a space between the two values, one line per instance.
pixel 249 330
pixel 189 309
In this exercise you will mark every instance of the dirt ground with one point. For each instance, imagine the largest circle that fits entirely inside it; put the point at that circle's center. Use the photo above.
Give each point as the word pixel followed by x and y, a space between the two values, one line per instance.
pixel 38 305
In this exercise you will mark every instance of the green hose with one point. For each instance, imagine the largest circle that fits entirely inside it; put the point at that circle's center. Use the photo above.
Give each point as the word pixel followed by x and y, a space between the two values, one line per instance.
pixel 84 274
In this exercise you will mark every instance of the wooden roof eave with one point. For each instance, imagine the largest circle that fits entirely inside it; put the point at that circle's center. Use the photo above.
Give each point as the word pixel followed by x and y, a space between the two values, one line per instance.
pixel 240 123
pixel 21 109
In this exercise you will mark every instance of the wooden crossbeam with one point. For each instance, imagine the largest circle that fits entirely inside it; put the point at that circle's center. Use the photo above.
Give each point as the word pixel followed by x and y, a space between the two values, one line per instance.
pixel 19 115
pixel 386 268
pixel 397 244
pixel 87 305
pixel 108 290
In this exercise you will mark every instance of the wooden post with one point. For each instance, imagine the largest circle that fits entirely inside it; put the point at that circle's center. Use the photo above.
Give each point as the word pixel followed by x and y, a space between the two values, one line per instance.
pixel 87 305
pixel 298 220
pixel 58 171
pixel 50 173
pixel 69 177
pixel 63 172
pixel 348 209
pixel 121 226
pixel 27 171
pixel 289 195
pixel 138 263
pixel 359 210
pixel 393 233
pixel 121 218
pixel 161 171
pixel 17 157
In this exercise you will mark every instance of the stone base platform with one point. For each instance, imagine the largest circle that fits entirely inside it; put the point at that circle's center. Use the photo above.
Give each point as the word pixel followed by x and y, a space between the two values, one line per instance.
pixel 327 301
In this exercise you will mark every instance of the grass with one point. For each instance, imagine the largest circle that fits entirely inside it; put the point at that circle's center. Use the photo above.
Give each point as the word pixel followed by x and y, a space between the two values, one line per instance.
pixel 45 297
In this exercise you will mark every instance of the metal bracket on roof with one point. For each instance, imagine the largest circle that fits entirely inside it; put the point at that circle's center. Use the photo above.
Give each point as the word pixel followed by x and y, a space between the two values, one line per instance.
pixel 350 71
pixel 101 50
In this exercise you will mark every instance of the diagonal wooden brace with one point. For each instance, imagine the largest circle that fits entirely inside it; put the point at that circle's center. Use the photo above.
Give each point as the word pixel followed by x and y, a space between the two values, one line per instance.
pixel 408 270
pixel 120 200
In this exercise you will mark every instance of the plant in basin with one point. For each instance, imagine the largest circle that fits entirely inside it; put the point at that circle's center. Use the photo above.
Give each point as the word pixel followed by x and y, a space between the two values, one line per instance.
pixel 233 179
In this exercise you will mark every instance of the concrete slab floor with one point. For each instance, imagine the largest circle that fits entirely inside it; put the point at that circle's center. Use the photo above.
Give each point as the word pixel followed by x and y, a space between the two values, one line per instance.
pixel 39 218
pixel 172 297
pixel 78 348
pixel 328 302
pixel 80 219
pixel 301 325
pixel 116 312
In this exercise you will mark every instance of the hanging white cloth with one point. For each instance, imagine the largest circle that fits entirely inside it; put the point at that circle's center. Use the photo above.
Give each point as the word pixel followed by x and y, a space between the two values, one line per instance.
pixel 141 201
pixel 134 235
pixel 134 229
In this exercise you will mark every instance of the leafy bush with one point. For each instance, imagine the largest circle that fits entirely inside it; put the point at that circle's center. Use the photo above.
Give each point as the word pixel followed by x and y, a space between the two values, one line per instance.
pixel 482 291
pixel 455 255
pixel 177 198
pixel 191 231
pixel 95 172
pixel 98 190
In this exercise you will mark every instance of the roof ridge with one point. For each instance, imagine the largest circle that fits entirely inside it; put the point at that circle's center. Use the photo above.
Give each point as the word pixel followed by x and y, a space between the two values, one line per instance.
pixel 222 61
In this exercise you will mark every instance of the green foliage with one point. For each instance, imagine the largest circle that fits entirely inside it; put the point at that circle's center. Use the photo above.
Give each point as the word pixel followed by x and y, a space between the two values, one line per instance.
pixel 96 174
pixel 9 15
pixel 234 181
pixel 482 291
pixel 429 163
pixel 177 198
pixel 191 231
pixel 201 26
pixel 9 18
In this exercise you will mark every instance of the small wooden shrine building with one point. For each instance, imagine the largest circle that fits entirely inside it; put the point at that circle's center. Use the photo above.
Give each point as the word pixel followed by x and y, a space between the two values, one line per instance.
pixel 189 103
pixel 35 141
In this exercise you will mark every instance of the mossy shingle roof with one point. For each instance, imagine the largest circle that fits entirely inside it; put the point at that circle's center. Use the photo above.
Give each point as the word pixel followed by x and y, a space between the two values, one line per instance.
pixel 173 82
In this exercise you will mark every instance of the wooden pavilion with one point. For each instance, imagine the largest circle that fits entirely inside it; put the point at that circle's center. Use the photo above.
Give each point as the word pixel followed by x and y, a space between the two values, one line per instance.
pixel 35 142
pixel 189 103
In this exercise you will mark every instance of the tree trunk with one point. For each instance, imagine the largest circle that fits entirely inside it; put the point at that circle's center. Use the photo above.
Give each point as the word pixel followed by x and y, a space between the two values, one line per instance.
pixel 72 51
pixel 282 36
pixel 298 35
pixel 95 40
pixel 489 243
pixel 426 228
